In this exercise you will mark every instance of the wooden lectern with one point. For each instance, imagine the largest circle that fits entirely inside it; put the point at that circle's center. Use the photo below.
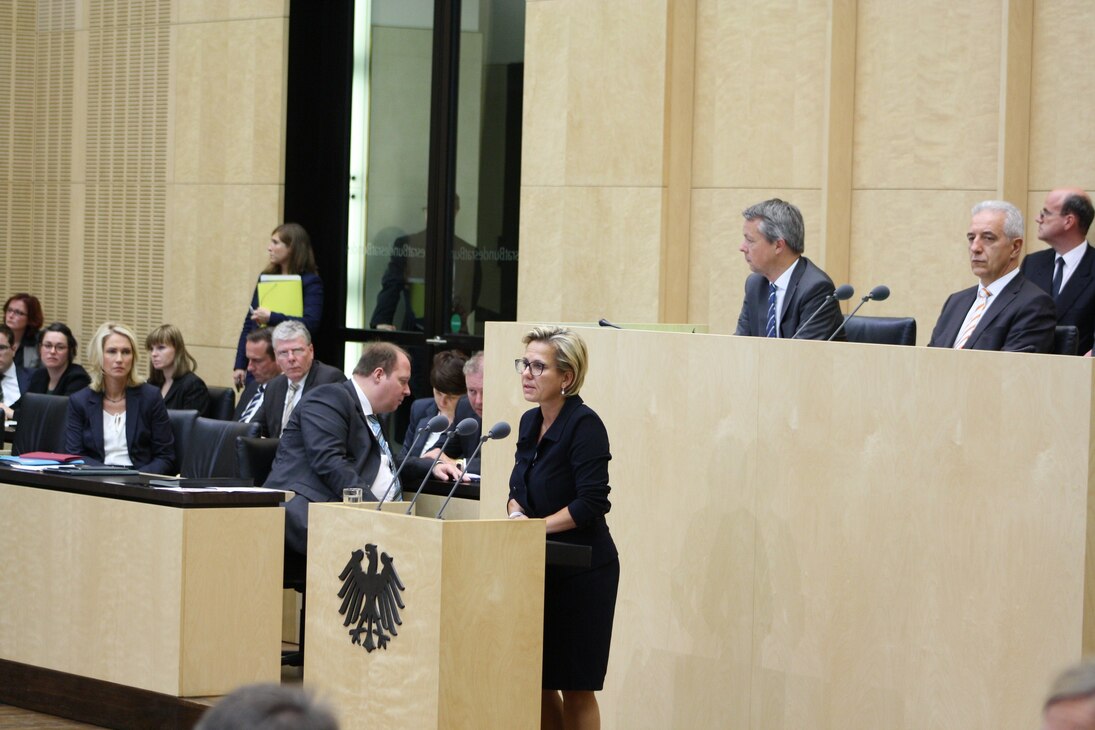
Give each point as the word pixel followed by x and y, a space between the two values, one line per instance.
pixel 468 651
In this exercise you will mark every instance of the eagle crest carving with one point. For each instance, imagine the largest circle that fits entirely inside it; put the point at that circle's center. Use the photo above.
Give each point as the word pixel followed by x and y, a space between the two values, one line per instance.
pixel 371 599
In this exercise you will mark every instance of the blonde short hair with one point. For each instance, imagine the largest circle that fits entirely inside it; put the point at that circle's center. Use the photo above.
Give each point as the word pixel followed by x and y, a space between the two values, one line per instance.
pixel 95 354
pixel 571 355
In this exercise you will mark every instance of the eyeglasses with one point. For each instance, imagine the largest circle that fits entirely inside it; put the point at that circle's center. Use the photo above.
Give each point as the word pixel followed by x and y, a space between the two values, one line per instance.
pixel 535 367
pixel 55 347
pixel 1044 213
pixel 16 312
pixel 295 352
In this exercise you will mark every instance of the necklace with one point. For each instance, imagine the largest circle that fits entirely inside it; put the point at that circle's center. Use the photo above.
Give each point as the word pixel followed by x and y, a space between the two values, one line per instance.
pixel 108 399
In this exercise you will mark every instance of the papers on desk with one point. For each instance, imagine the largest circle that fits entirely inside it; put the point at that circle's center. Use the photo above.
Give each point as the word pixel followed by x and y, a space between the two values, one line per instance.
pixel 212 484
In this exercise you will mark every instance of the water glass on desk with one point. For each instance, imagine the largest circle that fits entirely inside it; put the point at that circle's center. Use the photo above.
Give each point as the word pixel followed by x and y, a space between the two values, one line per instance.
pixel 351 495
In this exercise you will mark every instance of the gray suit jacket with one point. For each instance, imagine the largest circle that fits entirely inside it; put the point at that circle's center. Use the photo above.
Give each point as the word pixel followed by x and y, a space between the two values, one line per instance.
pixel 326 446
pixel 1022 320
pixel 805 293
pixel 273 403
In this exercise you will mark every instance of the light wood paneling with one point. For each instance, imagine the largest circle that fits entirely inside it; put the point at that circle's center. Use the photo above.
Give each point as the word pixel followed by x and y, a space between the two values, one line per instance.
pixel 759 101
pixel 464 655
pixel 594 252
pixel 927 98
pixel 204 11
pixel 915 243
pixel 812 559
pixel 182 602
pixel 1062 115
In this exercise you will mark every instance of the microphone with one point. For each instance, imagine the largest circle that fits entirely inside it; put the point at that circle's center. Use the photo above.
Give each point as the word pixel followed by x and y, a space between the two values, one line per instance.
pixel 842 292
pixel 605 323
pixel 879 293
pixel 437 424
pixel 465 428
pixel 499 431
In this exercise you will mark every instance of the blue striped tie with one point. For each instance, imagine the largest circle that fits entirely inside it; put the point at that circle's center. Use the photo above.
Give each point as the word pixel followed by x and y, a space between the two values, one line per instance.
pixel 770 330
pixel 253 405
pixel 374 426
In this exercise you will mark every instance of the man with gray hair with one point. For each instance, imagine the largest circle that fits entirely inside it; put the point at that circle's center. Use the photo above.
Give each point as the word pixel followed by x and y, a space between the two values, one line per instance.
pixel 300 372
pixel 786 288
pixel 1071 701
pixel 1005 311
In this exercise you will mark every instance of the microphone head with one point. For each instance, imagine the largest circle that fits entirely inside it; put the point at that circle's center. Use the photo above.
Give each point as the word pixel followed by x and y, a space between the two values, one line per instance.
pixel 467 427
pixel 499 431
pixel 843 292
pixel 437 424
pixel 605 323
pixel 880 292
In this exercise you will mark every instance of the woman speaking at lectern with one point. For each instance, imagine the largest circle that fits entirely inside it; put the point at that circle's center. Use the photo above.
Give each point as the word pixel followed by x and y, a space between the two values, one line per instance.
pixel 561 475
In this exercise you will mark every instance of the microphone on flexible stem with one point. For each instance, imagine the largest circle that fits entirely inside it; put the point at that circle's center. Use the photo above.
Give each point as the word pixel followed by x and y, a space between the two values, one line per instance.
pixel 842 292
pixel 464 428
pixel 437 424
pixel 499 431
pixel 605 323
pixel 879 293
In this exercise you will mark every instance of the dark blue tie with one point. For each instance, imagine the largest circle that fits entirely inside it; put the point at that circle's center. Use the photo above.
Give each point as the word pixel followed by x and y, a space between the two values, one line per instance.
pixel 770 330
pixel 1058 276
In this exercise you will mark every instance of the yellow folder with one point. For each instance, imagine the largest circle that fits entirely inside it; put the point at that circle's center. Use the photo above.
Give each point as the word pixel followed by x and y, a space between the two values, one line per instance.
pixel 282 294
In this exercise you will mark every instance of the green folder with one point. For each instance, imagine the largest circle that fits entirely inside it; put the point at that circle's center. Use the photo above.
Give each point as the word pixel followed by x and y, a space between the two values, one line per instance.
pixel 283 294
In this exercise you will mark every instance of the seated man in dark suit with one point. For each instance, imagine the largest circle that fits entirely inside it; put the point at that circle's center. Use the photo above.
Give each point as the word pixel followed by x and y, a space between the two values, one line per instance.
pixel 263 367
pixel 1066 270
pixel 1005 311
pixel 333 440
pixel 786 288
pixel 300 372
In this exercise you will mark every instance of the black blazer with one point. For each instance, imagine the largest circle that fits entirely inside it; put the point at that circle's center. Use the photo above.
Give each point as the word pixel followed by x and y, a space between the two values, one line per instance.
pixel 312 292
pixel 1076 302
pixel 567 467
pixel 147 428
pixel 273 403
pixel 22 377
pixel 326 446
pixel 245 398
pixel 73 379
pixel 187 393
pixel 806 291
pixel 1022 320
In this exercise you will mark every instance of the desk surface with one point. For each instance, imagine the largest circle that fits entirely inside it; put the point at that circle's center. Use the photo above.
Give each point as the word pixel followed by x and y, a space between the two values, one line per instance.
pixel 134 488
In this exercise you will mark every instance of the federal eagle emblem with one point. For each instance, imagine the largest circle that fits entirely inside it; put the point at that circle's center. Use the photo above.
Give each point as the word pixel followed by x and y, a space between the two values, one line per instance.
pixel 371 599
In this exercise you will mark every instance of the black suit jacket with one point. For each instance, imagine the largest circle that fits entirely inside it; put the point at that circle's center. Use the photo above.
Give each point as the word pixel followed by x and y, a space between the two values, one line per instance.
pixel 273 403
pixel 22 377
pixel 187 392
pixel 326 446
pixel 806 291
pixel 1076 303
pixel 73 379
pixel 147 428
pixel 245 398
pixel 1021 320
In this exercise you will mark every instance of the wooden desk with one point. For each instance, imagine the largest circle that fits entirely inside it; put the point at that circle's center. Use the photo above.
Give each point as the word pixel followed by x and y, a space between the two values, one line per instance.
pixel 169 592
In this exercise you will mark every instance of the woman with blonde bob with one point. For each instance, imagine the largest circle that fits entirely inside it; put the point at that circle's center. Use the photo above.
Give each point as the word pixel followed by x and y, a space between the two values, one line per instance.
pixel 118 419
pixel 561 475
pixel 171 368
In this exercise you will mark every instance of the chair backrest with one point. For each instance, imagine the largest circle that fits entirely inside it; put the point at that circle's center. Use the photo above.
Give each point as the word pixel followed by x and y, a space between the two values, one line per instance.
pixel 1066 340
pixel 222 403
pixel 882 330
pixel 255 457
pixel 42 420
pixel 212 448
pixel 182 423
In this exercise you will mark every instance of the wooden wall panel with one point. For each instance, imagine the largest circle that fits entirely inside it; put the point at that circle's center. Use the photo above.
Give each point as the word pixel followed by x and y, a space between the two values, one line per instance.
pixel 760 71
pixel 927 97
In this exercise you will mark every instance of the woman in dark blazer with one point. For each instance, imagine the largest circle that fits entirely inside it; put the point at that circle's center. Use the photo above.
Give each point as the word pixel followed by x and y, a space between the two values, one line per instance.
pixel 23 313
pixel 561 475
pixel 290 251
pixel 118 419
pixel 447 379
pixel 171 369
pixel 59 374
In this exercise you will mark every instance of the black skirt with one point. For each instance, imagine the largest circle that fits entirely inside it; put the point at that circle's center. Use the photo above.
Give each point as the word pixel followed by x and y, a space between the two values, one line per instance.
pixel 578 609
